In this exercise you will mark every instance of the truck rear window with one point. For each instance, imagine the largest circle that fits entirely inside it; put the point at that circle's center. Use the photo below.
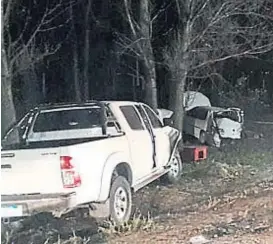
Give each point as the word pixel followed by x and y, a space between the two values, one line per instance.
pixel 68 119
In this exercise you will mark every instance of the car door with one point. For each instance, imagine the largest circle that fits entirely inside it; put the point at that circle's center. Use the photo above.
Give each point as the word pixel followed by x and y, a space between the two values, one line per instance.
pixel 161 137
pixel 201 116
pixel 189 122
pixel 140 142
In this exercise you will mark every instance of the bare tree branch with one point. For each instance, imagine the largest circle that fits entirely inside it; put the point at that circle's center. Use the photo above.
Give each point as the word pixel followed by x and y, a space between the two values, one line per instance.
pixel 258 50
pixel 139 42
pixel 211 32
pixel 130 19
pixel 17 47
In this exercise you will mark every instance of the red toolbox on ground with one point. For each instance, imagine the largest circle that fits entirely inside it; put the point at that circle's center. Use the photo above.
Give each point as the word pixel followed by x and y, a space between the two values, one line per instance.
pixel 194 153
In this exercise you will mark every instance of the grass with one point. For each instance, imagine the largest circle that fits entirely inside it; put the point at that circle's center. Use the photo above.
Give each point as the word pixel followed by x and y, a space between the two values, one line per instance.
pixel 229 164
pixel 138 222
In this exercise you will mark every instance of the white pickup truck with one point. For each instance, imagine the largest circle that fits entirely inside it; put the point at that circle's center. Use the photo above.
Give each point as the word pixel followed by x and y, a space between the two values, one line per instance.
pixel 90 154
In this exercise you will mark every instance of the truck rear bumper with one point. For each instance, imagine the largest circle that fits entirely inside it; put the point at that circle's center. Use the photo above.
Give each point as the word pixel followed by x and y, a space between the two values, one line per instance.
pixel 25 205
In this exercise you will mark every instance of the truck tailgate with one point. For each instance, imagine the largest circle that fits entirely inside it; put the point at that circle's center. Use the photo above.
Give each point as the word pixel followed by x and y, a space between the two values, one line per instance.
pixel 31 171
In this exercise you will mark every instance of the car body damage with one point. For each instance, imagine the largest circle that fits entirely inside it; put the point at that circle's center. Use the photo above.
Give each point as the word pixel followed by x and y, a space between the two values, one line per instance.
pixel 230 122
pixel 174 137
pixel 194 99
pixel 165 116
pixel 207 123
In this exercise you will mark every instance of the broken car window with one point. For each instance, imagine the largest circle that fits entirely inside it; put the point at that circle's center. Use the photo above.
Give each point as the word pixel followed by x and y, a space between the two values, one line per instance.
pixel 198 113
pixel 229 115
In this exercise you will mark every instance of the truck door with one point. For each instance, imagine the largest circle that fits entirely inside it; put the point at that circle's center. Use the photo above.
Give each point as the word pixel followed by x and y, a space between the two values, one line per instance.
pixel 140 142
pixel 148 127
pixel 161 140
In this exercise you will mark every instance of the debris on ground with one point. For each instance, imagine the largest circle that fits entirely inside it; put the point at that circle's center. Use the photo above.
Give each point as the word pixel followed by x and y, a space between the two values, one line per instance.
pixel 200 239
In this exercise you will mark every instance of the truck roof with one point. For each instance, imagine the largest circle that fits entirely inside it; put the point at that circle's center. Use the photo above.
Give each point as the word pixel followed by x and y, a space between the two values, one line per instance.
pixel 120 103
pixel 82 104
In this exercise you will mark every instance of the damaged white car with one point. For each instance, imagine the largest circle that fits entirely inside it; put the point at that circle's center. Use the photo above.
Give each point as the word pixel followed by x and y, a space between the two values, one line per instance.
pixel 213 124
pixel 207 123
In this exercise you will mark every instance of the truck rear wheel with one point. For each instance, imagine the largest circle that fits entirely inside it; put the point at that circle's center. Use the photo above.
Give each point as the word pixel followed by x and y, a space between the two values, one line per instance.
pixel 120 200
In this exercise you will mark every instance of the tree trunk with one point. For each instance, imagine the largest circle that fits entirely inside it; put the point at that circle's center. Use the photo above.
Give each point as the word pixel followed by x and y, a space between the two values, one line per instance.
pixel 77 88
pixel 180 73
pixel 8 114
pixel 148 55
pixel 113 68
pixel 31 91
pixel 178 102
pixel 269 88
pixel 86 51
pixel 44 86
pixel 76 74
pixel 150 85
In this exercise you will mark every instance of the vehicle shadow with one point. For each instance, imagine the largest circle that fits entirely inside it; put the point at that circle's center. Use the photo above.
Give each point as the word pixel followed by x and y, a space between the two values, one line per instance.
pixel 45 228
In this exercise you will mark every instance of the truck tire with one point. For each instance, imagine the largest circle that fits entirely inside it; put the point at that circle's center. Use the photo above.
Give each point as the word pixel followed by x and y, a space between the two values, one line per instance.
pixel 120 200
pixel 174 175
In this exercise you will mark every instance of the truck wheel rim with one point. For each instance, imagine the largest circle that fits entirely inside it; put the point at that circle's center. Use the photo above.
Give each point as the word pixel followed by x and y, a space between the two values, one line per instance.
pixel 120 203
pixel 174 170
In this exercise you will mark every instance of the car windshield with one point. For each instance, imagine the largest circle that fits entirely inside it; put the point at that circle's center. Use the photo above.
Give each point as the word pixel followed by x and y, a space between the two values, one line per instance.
pixel 68 119
pixel 233 115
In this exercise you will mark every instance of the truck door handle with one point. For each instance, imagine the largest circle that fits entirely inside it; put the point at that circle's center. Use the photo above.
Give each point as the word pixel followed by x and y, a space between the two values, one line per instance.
pixel 6 166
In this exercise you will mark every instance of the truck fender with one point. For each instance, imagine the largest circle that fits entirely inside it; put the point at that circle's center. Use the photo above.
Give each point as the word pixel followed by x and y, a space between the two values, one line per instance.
pixel 109 166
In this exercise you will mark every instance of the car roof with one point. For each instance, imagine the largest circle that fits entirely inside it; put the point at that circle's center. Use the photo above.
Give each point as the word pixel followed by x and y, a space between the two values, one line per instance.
pixel 213 109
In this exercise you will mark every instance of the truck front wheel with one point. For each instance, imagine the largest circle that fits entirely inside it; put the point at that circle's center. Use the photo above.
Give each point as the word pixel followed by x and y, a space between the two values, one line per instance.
pixel 174 175
pixel 120 200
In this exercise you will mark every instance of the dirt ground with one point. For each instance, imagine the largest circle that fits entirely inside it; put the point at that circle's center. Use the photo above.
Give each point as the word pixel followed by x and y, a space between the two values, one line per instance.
pixel 245 218
pixel 228 199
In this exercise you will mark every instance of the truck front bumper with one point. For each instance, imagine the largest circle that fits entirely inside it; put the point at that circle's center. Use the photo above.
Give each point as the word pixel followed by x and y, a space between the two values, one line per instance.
pixel 25 205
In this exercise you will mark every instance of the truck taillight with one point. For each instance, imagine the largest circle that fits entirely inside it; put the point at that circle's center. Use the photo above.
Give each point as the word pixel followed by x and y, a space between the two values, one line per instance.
pixel 70 176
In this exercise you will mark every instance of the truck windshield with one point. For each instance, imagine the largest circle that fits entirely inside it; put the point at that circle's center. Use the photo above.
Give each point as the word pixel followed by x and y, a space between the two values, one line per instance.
pixel 69 119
